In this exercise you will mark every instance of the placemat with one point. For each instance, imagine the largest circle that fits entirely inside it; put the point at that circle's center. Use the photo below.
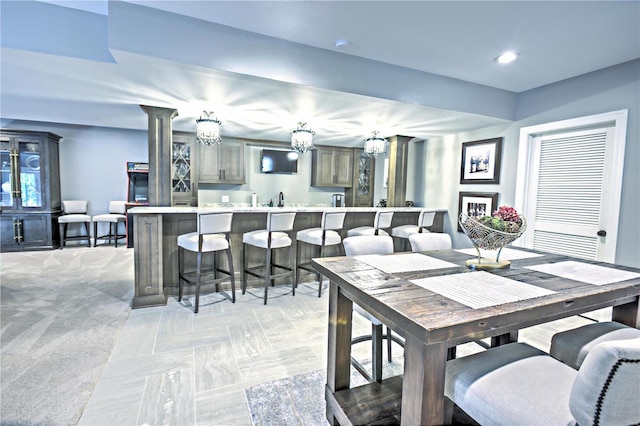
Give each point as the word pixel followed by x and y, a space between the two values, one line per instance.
pixel 505 254
pixel 585 272
pixel 404 262
pixel 481 289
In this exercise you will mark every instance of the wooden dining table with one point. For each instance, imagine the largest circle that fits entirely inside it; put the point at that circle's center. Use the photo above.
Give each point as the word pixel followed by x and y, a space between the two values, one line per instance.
pixel 435 302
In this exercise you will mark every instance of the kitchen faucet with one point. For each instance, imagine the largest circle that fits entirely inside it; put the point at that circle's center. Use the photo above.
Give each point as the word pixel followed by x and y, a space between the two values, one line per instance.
pixel 281 200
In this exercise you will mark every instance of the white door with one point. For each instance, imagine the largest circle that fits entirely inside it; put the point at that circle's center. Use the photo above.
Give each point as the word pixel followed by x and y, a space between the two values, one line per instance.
pixel 569 185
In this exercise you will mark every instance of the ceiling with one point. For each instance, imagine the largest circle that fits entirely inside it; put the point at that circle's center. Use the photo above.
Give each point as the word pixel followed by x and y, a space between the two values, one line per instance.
pixel 555 40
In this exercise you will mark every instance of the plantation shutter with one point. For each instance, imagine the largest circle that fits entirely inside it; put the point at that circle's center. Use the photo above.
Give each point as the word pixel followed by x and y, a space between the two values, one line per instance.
pixel 569 193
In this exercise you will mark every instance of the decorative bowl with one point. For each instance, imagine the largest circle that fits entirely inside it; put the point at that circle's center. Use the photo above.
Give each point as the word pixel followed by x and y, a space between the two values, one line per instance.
pixel 484 237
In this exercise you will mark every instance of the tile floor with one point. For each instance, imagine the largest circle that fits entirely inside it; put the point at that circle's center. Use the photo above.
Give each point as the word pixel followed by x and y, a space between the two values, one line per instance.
pixel 172 367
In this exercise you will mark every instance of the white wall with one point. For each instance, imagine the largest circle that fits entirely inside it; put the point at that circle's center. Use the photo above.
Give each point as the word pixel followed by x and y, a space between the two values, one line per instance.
pixel 607 90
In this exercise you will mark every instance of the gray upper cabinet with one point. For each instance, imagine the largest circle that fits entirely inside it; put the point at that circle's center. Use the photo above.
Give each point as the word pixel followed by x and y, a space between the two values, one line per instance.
pixel 332 167
pixel 223 163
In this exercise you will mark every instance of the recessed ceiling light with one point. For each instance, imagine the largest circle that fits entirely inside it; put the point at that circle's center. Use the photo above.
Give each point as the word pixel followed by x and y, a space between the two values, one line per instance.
pixel 507 58
pixel 341 42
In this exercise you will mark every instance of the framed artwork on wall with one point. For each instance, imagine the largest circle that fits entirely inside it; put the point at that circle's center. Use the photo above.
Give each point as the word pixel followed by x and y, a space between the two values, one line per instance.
pixel 476 204
pixel 481 161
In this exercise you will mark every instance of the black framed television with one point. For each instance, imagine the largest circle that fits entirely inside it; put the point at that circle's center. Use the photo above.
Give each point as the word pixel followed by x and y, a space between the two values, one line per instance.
pixel 274 161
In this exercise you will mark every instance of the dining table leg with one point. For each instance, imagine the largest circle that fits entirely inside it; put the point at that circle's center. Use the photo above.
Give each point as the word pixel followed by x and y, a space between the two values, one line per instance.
pixel 628 314
pixel 339 344
pixel 423 401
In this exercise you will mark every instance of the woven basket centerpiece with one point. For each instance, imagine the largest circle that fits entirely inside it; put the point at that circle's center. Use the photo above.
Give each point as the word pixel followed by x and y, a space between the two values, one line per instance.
pixel 485 237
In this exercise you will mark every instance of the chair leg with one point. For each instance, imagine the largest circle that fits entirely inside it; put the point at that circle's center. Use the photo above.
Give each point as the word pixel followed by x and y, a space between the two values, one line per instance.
pixel 180 272
pixel 294 267
pixel 95 234
pixel 244 268
pixel 198 276
pixel 267 275
pixel 231 275
pixel 376 351
pixel 87 226
pixel 63 234
pixel 319 276
pixel 215 270
pixel 389 341
pixel 297 274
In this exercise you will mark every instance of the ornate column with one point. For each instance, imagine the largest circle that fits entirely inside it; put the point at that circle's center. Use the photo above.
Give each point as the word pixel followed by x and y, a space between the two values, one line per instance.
pixel 160 129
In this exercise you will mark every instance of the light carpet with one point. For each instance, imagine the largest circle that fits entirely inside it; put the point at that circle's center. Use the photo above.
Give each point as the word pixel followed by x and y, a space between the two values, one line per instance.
pixel 61 312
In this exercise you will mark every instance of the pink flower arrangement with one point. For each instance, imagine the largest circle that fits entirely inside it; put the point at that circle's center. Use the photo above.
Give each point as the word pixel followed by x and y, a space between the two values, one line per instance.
pixel 508 214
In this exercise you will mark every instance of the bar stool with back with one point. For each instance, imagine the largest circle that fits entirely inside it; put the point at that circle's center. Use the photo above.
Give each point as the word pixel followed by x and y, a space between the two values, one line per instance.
pixel 74 212
pixel 116 216
pixel 211 236
pixel 425 221
pixel 326 235
pixel 277 235
pixel 381 221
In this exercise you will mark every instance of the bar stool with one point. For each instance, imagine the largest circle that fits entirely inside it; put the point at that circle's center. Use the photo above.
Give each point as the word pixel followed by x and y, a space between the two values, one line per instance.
pixel 74 211
pixel 381 221
pixel 323 236
pixel 364 245
pixel 212 236
pixel 114 218
pixel 425 221
pixel 277 235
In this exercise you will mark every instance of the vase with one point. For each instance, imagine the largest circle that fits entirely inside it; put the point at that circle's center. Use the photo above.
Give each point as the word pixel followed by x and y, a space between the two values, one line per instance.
pixel 484 237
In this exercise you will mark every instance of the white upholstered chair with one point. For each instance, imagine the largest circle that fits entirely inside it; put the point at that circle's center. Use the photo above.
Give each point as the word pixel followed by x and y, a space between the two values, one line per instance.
pixel 326 235
pixel 116 216
pixel 74 212
pixel 364 245
pixel 211 236
pixel 430 241
pixel 277 235
pixel 572 346
pixel 381 221
pixel 517 384
pixel 425 221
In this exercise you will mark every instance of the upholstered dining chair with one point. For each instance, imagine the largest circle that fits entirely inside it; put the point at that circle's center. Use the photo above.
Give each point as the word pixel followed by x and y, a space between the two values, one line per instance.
pixel 74 212
pixel 326 235
pixel 211 236
pixel 572 346
pixel 517 384
pixel 116 216
pixel 430 241
pixel 364 245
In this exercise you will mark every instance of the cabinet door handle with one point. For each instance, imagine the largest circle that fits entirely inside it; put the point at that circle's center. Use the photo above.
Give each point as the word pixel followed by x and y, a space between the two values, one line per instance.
pixel 17 230
pixel 15 171
pixel 224 174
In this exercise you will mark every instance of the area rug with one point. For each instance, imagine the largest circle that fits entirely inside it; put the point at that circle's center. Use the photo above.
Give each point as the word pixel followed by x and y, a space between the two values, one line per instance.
pixel 61 313
pixel 299 400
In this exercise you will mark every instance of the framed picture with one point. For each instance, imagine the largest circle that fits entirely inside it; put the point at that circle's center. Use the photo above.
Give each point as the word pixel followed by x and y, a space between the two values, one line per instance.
pixel 476 204
pixel 481 161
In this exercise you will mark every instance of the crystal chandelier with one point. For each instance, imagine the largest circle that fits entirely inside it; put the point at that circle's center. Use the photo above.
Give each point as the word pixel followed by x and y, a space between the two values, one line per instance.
pixel 302 138
pixel 375 145
pixel 208 129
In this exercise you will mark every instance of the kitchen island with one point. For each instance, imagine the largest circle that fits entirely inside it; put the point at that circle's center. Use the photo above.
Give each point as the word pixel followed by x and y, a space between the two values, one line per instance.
pixel 156 230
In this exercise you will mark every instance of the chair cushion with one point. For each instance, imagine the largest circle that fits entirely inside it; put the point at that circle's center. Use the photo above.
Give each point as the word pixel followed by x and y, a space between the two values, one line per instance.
pixel 210 242
pixel 404 231
pixel 572 346
pixel 114 218
pixel 314 236
pixel 365 230
pixel 74 218
pixel 514 384
pixel 608 384
pixel 259 238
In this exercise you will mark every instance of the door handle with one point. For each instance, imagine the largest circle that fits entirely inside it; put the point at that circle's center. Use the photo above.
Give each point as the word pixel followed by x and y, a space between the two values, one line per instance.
pixel 602 233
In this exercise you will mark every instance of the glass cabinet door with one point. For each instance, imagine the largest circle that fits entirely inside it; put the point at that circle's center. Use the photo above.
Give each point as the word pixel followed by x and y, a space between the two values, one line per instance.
pixel 6 187
pixel 181 167
pixel 30 174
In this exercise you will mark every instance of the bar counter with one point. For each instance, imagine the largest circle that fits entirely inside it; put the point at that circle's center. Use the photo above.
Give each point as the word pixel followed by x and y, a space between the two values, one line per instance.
pixel 156 230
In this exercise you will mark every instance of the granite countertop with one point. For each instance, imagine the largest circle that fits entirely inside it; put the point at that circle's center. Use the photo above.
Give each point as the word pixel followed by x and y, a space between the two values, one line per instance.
pixel 246 208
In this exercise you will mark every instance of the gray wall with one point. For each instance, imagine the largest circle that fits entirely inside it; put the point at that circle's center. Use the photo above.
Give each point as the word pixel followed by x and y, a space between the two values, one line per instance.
pixel 603 91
